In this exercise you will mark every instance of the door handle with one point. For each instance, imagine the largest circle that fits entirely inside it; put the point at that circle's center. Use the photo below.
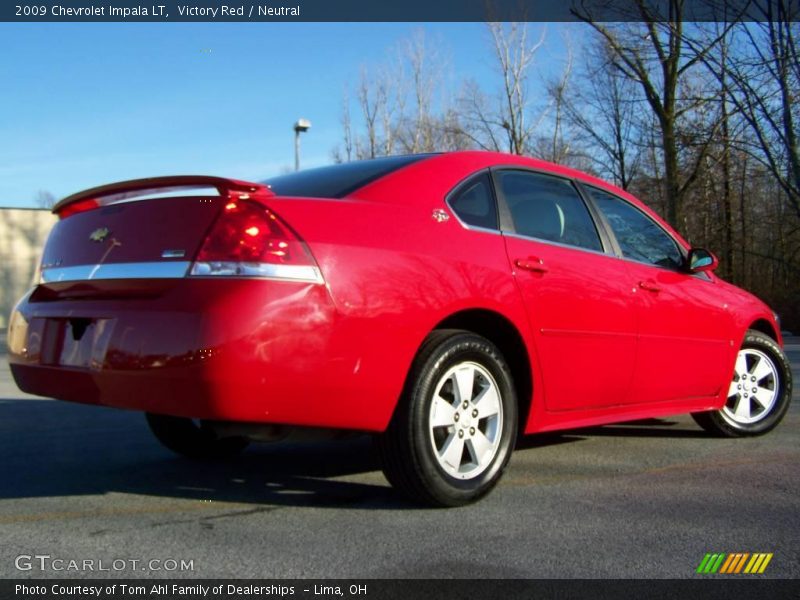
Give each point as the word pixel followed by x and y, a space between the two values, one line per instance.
pixel 532 263
pixel 649 285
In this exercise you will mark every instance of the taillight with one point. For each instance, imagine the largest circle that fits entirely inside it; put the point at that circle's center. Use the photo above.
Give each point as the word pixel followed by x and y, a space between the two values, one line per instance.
pixel 77 207
pixel 249 240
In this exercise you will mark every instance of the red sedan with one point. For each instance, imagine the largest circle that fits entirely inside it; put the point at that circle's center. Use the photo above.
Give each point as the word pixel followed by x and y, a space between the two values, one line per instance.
pixel 445 302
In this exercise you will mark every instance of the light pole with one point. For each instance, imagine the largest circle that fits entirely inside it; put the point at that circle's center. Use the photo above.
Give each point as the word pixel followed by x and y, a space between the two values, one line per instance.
pixel 299 127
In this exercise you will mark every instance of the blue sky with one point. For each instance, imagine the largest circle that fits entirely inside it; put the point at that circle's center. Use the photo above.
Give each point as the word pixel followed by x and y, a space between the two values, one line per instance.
pixel 86 104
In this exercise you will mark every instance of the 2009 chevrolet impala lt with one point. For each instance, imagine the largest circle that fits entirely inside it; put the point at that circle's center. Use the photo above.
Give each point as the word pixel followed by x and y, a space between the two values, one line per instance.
pixel 446 303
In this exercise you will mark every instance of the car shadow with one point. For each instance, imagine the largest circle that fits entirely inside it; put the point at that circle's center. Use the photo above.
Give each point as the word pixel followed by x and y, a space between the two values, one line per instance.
pixel 541 440
pixel 645 428
pixel 60 449
pixel 53 449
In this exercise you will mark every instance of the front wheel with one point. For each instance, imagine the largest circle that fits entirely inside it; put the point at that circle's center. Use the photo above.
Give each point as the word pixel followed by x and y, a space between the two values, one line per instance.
pixel 454 428
pixel 191 439
pixel 759 394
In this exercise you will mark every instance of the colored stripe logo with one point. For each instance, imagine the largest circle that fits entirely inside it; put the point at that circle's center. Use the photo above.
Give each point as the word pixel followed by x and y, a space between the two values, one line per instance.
pixel 734 563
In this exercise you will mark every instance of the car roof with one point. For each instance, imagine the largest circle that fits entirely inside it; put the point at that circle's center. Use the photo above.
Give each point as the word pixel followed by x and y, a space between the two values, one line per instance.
pixel 419 178
pixel 454 166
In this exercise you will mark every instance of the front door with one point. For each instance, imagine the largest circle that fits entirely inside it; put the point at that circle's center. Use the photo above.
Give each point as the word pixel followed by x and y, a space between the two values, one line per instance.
pixel 684 344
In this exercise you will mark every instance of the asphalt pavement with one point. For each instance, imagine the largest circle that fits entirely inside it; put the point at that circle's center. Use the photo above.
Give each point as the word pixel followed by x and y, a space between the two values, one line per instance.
pixel 646 499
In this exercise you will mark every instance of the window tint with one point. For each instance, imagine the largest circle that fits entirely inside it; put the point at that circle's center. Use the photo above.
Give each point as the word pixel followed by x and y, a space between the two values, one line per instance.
pixel 639 237
pixel 337 181
pixel 474 203
pixel 548 208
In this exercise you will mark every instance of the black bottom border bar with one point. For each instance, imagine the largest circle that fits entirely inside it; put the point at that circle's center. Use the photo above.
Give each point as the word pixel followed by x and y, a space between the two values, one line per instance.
pixel 710 588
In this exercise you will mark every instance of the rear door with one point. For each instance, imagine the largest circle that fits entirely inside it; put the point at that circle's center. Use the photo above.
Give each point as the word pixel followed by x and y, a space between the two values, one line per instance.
pixel 576 294
pixel 684 344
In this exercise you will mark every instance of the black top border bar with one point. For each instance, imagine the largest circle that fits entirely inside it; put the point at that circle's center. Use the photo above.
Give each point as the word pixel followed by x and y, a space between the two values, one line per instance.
pixel 404 11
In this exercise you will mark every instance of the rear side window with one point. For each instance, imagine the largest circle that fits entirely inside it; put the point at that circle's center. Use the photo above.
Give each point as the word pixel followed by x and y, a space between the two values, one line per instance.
pixel 639 237
pixel 548 208
pixel 474 204
pixel 337 181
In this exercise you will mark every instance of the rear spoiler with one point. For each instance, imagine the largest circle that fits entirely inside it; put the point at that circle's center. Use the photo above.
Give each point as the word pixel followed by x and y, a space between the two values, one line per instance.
pixel 129 190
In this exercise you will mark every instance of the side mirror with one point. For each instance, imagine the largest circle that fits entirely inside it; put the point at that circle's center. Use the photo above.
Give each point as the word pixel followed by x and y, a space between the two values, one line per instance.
pixel 701 260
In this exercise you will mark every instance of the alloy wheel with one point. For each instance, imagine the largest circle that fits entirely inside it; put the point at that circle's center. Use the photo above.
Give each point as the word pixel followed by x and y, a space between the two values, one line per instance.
pixel 754 388
pixel 465 420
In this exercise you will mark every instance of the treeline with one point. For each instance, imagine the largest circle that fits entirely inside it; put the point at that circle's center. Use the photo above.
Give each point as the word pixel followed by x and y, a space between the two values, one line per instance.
pixel 700 120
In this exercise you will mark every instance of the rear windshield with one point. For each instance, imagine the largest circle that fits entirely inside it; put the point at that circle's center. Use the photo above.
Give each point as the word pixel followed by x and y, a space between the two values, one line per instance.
pixel 336 181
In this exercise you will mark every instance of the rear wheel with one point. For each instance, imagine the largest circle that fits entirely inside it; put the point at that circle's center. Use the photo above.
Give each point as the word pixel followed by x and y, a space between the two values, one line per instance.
pixel 759 394
pixel 453 431
pixel 190 438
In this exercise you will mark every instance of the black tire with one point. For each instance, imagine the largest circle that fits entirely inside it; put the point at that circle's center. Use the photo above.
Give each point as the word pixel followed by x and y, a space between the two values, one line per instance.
pixel 408 447
pixel 187 438
pixel 723 423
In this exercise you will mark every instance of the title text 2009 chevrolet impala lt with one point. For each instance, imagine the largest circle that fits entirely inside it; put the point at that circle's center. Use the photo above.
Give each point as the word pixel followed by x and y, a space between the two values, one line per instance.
pixel 444 302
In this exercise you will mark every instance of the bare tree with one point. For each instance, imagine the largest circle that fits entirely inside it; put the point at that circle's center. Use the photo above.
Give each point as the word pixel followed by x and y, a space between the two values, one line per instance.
pixel 345 152
pixel 45 199
pixel 556 145
pixel 401 105
pixel 653 54
pixel 761 80
pixel 424 71
pixel 514 57
pixel 372 97
pixel 480 121
pixel 452 133
pixel 724 159
pixel 602 109
pixel 506 121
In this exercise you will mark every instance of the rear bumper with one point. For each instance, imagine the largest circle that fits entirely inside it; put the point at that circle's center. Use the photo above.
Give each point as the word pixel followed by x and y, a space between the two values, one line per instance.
pixel 235 350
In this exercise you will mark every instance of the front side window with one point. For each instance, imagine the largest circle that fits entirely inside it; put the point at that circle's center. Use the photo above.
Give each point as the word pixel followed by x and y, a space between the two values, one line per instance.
pixel 548 208
pixel 474 203
pixel 639 237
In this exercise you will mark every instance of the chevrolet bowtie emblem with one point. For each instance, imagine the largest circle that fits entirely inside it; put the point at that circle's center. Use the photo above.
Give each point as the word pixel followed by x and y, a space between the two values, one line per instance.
pixel 440 216
pixel 98 235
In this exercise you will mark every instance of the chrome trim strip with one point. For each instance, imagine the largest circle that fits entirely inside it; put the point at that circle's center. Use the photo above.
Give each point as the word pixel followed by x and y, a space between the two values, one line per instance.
pixel 558 244
pixel 138 270
pixel 177 253
pixel 305 273
pixel 475 228
pixel 181 269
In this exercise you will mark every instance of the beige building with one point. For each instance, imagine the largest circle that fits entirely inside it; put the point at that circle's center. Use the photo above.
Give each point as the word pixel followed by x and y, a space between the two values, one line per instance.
pixel 23 232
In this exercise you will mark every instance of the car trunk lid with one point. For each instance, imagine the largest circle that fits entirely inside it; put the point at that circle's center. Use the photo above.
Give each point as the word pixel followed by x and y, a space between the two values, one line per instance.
pixel 122 232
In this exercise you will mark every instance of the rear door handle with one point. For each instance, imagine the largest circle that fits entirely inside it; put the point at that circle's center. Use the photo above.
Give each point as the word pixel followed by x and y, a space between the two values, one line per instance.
pixel 532 263
pixel 649 285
